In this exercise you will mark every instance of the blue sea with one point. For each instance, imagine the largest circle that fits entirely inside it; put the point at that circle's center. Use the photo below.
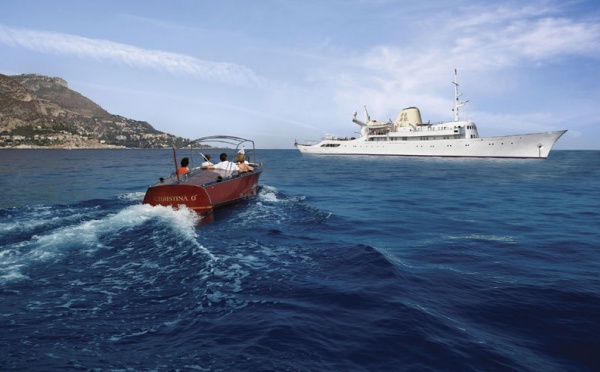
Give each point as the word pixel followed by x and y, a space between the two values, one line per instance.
pixel 339 264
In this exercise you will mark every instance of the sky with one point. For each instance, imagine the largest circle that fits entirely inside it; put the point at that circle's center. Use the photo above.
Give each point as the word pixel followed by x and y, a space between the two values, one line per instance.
pixel 277 71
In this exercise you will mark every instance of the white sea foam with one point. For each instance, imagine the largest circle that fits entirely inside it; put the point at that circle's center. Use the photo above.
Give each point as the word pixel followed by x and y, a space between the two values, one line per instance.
pixel 268 194
pixel 39 216
pixel 7 228
pixel 87 236
pixel 11 274
pixel 132 196
pixel 269 205
pixel 44 216
pixel 497 238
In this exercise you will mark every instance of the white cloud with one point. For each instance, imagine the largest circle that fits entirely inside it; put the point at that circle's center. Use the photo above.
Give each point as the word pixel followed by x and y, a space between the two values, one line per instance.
pixel 551 37
pixel 479 39
pixel 498 38
pixel 177 64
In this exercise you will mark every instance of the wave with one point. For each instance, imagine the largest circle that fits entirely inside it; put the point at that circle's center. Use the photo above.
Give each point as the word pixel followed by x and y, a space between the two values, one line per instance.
pixel 46 234
pixel 132 196
pixel 49 233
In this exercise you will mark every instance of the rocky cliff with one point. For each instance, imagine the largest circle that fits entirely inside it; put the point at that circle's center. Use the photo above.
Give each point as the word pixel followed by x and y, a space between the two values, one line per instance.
pixel 41 111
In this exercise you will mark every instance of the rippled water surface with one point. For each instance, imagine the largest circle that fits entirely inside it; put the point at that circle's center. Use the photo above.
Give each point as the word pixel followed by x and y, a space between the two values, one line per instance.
pixel 340 263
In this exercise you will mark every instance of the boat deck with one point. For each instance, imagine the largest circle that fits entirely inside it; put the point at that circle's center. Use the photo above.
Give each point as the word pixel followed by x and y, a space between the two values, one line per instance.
pixel 197 177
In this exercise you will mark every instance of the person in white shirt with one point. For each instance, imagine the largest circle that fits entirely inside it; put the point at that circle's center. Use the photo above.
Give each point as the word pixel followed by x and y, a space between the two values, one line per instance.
pixel 225 164
pixel 207 164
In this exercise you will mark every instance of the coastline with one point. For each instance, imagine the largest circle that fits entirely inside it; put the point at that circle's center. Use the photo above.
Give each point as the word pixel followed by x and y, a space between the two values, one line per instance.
pixel 31 147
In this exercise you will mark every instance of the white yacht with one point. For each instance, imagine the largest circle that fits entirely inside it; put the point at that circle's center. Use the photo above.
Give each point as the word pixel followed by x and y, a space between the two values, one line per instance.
pixel 409 136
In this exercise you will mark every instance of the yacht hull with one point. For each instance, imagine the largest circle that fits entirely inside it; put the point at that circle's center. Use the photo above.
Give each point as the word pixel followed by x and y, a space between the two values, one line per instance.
pixel 525 146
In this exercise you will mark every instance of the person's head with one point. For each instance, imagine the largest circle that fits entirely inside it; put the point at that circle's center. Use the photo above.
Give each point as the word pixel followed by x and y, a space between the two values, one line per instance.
pixel 185 162
pixel 207 157
pixel 223 157
pixel 240 158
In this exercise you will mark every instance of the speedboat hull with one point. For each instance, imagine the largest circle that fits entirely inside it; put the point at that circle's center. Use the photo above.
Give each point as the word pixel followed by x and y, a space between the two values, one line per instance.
pixel 203 190
pixel 207 187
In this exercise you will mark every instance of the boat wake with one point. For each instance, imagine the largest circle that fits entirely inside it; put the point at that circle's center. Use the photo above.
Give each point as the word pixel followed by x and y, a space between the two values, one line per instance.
pixel 48 234
pixel 119 275
pixel 272 209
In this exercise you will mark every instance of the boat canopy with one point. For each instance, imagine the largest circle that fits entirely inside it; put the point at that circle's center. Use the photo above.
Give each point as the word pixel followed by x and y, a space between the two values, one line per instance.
pixel 219 140
pixel 239 144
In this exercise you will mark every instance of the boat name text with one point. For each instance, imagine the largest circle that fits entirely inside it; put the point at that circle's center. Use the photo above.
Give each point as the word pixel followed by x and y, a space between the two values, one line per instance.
pixel 174 198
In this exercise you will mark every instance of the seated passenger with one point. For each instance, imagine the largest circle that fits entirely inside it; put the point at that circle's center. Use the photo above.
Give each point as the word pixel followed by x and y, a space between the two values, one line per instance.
pixel 243 164
pixel 225 164
pixel 184 169
pixel 207 164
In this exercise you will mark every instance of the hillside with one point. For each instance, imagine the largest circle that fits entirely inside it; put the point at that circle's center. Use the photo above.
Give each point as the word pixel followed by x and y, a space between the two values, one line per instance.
pixel 41 111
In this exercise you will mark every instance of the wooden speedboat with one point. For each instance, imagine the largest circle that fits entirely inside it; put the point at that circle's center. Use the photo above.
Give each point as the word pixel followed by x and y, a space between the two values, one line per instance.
pixel 203 190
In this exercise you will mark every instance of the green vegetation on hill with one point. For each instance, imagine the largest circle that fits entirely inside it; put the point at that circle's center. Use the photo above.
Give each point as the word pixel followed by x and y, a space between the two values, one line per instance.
pixel 41 111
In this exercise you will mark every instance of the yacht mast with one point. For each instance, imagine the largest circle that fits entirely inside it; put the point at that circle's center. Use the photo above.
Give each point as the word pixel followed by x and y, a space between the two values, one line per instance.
pixel 456 96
